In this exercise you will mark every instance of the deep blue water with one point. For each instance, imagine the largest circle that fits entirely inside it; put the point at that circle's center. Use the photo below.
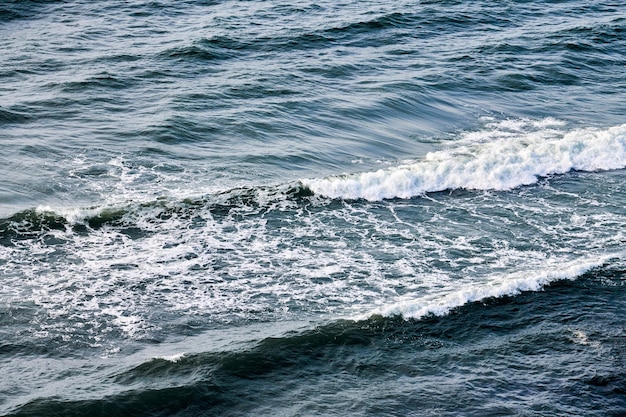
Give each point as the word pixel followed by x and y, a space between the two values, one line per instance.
pixel 312 208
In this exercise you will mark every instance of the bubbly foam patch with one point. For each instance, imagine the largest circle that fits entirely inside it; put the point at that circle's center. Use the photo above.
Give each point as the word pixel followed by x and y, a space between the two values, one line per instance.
pixel 247 257
pixel 504 156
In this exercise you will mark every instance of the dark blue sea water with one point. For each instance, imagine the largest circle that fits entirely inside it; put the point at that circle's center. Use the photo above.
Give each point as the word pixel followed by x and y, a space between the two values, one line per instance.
pixel 332 208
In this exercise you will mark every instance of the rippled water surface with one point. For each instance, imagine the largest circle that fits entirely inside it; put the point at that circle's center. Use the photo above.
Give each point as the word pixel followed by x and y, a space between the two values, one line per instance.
pixel 329 208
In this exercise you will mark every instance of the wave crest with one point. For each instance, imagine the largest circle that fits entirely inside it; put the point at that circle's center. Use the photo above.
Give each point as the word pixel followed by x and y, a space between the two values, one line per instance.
pixel 505 286
pixel 503 157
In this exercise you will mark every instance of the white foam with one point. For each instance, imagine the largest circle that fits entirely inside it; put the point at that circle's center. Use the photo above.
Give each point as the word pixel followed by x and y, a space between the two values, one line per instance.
pixel 581 338
pixel 73 215
pixel 504 156
pixel 172 358
pixel 442 303
pixel 303 261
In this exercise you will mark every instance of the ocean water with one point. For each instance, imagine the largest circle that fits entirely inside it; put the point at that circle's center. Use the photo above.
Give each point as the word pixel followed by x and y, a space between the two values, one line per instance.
pixel 332 208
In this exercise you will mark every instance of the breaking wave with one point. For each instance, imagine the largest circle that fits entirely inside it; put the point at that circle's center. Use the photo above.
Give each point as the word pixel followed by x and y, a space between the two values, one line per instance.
pixel 504 156
pixel 497 287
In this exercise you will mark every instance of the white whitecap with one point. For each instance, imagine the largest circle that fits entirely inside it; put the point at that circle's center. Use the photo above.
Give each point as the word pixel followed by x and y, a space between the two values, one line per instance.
pixel 502 157
pixel 440 304
pixel 172 358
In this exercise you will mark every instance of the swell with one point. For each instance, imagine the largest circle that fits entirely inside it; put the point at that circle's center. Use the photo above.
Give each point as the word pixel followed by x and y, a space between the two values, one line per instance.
pixel 10 117
pixel 577 54
pixel 17 10
pixel 222 48
pixel 102 82
pixel 379 30
pixel 509 331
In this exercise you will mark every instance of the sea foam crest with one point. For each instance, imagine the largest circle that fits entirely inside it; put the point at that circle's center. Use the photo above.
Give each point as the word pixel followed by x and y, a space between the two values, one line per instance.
pixel 510 285
pixel 500 158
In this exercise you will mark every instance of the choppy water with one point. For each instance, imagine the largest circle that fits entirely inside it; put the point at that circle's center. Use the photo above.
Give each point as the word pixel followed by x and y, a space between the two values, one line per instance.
pixel 330 208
